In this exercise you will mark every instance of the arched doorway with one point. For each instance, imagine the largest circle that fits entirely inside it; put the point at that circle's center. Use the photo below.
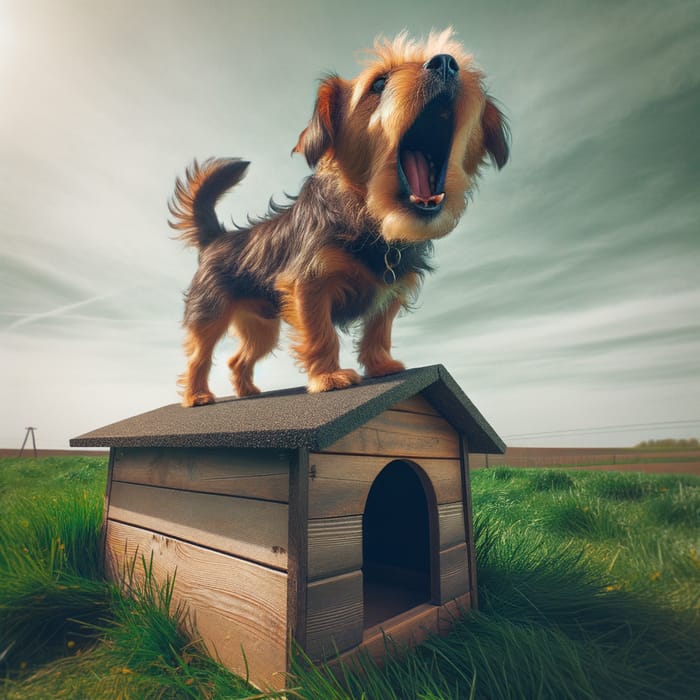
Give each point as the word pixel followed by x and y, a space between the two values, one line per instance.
pixel 398 528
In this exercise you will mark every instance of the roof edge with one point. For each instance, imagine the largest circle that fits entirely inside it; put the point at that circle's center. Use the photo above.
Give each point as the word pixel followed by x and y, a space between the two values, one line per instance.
pixel 453 402
pixel 336 429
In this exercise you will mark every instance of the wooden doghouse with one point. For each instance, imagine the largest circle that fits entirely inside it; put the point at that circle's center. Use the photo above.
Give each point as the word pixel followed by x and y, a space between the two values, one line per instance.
pixel 328 519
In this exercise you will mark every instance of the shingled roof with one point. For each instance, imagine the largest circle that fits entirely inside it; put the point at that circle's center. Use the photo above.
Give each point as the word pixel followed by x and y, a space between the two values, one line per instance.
pixel 292 418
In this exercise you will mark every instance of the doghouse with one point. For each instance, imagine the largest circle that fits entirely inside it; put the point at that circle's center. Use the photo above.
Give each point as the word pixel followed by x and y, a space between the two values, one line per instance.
pixel 328 519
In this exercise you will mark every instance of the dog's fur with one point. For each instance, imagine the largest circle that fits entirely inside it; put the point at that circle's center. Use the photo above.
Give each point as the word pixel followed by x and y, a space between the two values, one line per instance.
pixel 395 153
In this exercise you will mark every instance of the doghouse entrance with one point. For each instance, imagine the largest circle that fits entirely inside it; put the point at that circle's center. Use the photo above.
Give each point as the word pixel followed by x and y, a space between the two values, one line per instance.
pixel 395 544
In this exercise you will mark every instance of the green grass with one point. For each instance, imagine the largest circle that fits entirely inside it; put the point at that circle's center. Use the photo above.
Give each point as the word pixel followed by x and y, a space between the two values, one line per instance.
pixel 588 588
pixel 669 445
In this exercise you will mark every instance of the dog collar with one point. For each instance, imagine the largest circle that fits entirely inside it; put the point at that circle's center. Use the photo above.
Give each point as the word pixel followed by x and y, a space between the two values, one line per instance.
pixel 392 259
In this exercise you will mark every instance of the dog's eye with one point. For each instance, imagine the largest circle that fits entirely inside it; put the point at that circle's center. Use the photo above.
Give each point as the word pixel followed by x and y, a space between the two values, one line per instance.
pixel 378 85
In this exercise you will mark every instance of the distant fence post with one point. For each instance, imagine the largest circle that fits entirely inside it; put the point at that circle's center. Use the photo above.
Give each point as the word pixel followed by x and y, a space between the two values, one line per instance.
pixel 30 431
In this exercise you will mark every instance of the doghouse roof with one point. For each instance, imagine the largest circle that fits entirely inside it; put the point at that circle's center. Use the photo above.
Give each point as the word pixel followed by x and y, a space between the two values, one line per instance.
pixel 292 418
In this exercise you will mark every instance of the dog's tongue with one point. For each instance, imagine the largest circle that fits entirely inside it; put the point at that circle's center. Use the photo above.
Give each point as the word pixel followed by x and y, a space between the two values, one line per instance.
pixel 415 166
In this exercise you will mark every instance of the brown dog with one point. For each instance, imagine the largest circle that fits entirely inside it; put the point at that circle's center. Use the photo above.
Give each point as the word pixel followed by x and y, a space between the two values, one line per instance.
pixel 395 153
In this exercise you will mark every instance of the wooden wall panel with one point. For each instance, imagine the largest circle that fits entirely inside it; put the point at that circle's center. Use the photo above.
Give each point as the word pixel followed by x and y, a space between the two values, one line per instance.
pixel 335 546
pixel 468 520
pixel 339 484
pixel 105 510
pixel 244 527
pixel 248 473
pixel 298 546
pixel 334 614
pixel 400 434
pixel 454 572
pixel 416 404
pixel 451 524
pixel 232 602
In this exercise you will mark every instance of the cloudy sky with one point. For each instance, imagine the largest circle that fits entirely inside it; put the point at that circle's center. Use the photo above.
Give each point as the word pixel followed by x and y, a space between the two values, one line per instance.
pixel 565 303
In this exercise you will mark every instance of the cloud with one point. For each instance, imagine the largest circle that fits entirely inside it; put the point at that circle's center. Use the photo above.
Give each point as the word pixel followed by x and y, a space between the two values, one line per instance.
pixel 567 296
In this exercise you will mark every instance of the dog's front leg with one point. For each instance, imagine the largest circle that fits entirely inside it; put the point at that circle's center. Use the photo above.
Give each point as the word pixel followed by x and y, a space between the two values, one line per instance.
pixel 315 341
pixel 375 345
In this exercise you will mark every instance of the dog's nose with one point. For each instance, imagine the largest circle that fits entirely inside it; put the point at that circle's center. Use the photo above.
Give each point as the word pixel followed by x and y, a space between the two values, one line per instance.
pixel 443 64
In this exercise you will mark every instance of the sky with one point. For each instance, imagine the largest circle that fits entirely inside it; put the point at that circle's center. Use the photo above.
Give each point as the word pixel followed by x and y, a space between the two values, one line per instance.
pixel 565 303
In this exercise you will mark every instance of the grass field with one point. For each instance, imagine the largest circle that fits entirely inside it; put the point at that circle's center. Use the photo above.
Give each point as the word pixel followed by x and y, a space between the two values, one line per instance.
pixel 589 586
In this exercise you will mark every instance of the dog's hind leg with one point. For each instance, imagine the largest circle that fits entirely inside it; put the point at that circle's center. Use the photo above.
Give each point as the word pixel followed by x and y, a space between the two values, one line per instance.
pixel 258 327
pixel 199 346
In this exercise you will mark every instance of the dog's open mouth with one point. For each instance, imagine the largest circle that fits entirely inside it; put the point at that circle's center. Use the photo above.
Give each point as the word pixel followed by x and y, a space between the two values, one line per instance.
pixel 423 155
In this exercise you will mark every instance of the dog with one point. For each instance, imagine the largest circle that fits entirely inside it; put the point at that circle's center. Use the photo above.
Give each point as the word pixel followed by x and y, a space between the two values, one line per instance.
pixel 394 155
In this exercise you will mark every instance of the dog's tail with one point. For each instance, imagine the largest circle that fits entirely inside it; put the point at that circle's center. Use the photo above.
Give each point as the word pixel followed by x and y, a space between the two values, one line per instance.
pixel 193 203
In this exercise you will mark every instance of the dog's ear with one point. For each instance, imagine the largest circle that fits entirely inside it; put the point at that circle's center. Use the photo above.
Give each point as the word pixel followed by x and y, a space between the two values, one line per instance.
pixel 319 135
pixel 496 134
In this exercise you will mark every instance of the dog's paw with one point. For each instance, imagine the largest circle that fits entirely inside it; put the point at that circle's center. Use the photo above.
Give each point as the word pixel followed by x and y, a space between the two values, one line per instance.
pixel 245 388
pixel 340 379
pixel 381 369
pixel 200 399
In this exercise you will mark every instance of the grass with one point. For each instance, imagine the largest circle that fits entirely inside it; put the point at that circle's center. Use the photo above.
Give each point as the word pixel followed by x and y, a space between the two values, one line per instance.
pixel 588 587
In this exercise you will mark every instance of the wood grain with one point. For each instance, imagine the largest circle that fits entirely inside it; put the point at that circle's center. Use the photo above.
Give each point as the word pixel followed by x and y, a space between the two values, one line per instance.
pixel 105 510
pixel 232 602
pixel 244 527
pixel 334 615
pixel 451 524
pixel 452 611
pixel 298 557
pixel 236 472
pixel 409 628
pixel 339 484
pixel 416 404
pixel 468 519
pixel 454 572
pixel 335 546
pixel 399 434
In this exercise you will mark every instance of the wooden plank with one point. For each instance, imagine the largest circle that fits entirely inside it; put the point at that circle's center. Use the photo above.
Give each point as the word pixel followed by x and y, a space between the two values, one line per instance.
pixel 416 404
pixel 452 611
pixel 298 546
pixel 454 572
pixel 105 510
pixel 233 603
pixel 235 472
pixel 335 546
pixel 409 628
pixel 468 518
pixel 334 615
pixel 451 524
pixel 399 434
pixel 244 527
pixel 339 484
pixel 413 627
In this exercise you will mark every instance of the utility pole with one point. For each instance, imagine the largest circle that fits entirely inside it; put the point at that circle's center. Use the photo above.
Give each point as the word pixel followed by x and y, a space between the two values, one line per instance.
pixel 30 431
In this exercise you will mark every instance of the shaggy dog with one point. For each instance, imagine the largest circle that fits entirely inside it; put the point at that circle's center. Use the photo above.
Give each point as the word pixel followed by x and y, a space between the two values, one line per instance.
pixel 394 154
